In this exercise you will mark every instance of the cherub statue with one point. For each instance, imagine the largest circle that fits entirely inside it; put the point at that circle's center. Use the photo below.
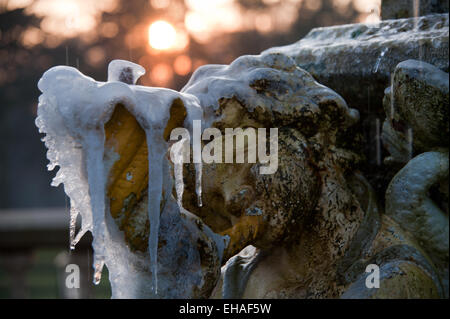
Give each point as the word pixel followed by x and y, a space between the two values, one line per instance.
pixel 310 229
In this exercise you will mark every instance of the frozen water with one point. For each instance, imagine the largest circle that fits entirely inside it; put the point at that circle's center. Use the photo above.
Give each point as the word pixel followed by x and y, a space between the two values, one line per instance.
pixel 124 71
pixel 74 128
pixel 178 156
pixel 156 152
pixel 94 146
pixel 198 182
pixel 73 222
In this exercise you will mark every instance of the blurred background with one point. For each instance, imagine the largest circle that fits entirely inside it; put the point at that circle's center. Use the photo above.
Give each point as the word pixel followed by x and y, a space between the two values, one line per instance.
pixel 170 39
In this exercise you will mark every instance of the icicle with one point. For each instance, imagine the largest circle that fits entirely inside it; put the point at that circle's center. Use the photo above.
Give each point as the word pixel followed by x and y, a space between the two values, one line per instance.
pixel 196 148
pixel 156 152
pixel 198 182
pixel 179 183
pixel 73 224
pixel 94 145
pixel 77 238
pixel 177 156
pixel 98 267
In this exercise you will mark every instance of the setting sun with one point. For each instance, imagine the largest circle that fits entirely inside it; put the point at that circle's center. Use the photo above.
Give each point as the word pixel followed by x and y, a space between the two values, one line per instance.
pixel 161 35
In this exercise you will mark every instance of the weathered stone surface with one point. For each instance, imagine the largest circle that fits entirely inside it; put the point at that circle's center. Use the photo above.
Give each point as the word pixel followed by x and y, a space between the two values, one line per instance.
pixel 319 227
pixel 357 60
pixel 399 148
pixel 417 110
pixel 399 9
pixel 421 98
pixel 270 91
pixel 394 285
pixel 409 204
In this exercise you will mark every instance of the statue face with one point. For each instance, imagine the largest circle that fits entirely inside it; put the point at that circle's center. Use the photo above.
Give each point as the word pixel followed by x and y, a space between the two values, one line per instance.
pixel 267 91
pixel 250 207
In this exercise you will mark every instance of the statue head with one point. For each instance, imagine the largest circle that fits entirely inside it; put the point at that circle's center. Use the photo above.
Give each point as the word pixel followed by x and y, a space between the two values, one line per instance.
pixel 267 91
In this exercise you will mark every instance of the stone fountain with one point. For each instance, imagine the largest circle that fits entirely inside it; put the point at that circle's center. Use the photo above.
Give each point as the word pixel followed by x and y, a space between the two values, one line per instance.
pixel 361 115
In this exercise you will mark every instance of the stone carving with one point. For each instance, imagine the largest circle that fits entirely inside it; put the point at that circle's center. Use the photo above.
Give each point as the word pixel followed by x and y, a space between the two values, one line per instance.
pixel 313 227
pixel 408 203
pixel 416 106
pixel 320 225
pixel 317 246
pixel 417 123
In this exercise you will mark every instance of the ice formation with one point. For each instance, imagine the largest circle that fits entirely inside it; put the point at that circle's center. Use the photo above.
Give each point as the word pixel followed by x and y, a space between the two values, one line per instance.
pixel 72 112
pixel 177 154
